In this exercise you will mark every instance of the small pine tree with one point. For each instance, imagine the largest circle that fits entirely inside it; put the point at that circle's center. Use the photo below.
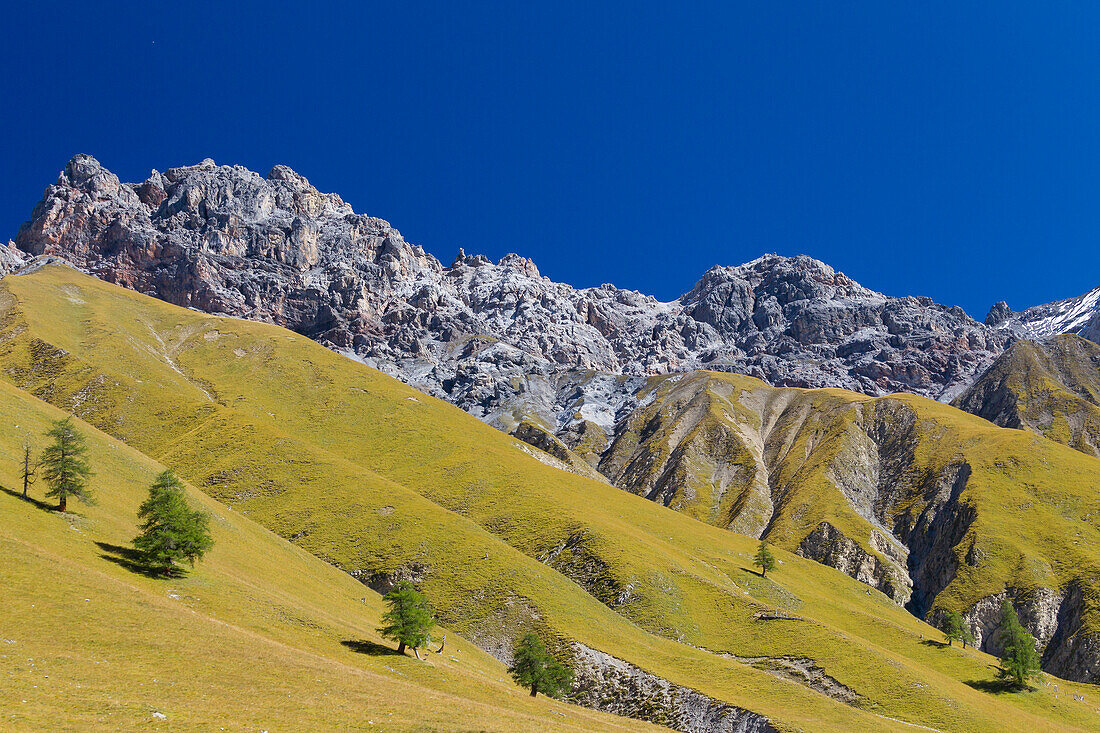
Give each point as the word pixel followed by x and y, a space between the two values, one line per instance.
pixel 764 559
pixel 954 628
pixel 65 464
pixel 534 667
pixel 949 624
pixel 408 621
pixel 30 468
pixel 1019 659
pixel 172 531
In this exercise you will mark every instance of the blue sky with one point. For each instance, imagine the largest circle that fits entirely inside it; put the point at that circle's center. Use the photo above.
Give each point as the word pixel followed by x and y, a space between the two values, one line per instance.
pixel 944 149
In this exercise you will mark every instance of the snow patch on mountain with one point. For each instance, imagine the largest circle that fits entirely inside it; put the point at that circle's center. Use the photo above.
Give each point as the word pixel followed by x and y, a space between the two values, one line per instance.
pixel 1080 315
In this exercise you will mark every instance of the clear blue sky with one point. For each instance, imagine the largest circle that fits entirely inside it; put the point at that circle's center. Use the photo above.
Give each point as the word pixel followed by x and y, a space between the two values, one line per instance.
pixel 947 149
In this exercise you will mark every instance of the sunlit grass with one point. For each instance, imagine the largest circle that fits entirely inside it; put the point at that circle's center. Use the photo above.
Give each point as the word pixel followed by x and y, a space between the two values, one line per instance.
pixel 369 475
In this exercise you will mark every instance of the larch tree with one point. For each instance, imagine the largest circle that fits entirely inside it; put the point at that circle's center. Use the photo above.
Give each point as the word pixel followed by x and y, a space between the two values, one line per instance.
pixel 408 620
pixel 954 628
pixel 1019 658
pixel 535 668
pixel 65 464
pixel 171 531
pixel 764 559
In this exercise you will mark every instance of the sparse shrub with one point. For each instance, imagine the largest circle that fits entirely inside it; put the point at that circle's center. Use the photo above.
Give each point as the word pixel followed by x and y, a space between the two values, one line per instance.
pixel 65 464
pixel 408 621
pixel 534 667
pixel 172 531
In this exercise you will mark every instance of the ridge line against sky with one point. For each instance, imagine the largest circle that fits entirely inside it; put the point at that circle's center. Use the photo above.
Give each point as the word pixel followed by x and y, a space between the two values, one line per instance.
pixel 946 150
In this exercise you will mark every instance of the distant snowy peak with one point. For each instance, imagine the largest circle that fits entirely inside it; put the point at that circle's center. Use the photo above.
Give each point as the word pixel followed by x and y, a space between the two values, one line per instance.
pixel 1080 315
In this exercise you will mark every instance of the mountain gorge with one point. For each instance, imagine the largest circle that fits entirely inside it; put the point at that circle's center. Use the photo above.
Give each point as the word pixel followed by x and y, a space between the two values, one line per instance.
pixel 778 399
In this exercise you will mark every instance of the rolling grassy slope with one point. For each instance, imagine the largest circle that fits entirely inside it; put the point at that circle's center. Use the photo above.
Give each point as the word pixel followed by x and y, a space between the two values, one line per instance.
pixel 1051 388
pixel 261 635
pixel 933 506
pixel 377 478
pixel 733 451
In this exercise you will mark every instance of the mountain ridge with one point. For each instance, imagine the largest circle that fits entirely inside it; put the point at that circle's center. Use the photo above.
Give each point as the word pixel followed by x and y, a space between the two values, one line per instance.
pixel 226 240
pixel 498 339
pixel 1050 387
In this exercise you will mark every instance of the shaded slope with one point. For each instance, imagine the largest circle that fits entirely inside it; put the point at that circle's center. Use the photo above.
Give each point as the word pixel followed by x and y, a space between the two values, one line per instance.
pixel 382 480
pixel 1051 388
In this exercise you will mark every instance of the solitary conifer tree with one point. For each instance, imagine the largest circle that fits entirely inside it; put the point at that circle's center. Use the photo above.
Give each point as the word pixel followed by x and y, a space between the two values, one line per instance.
pixel 764 558
pixel 409 618
pixel 65 464
pixel 1019 660
pixel 954 628
pixel 172 531
pixel 534 667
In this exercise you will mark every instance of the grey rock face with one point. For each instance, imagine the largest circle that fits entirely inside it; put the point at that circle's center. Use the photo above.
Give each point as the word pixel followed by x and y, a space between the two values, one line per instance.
pixel 828 545
pixel 11 258
pixel 494 338
pixel 1070 652
pixel 606 683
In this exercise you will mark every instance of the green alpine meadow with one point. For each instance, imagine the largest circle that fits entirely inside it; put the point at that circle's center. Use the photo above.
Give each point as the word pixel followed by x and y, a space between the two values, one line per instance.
pixel 344 520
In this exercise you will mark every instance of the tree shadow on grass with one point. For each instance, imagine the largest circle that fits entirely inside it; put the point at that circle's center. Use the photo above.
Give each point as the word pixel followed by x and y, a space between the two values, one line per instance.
pixel 995 687
pixel 134 561
pixel 30 500
pixel 937 644
pixel 369 647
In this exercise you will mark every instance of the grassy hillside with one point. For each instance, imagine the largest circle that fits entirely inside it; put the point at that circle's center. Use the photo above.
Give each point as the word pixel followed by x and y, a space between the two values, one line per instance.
pixel 1052 389
pixel 261 635
pixel 377 478
pixel 933 506
pixel 732 451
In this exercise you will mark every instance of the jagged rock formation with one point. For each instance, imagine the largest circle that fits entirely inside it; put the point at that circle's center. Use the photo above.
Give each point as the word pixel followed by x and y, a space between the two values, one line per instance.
pixel 1080 315
pixel 605 683
pixel 11 258
pixel 1051 388
pixel 226 240
pixel 829 546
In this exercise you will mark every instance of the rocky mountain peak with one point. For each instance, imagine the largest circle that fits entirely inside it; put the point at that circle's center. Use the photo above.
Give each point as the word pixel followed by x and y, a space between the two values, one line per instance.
pixel 1079 315
pixel 488 336
pixel 998 314
pixel 81 169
